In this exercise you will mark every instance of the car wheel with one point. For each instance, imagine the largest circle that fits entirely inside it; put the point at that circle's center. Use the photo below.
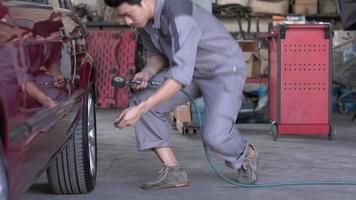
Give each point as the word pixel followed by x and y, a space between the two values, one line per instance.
pixel 73 171
pixel 4 183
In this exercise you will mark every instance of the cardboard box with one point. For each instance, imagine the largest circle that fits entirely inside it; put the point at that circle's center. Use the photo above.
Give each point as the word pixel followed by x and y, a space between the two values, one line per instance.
pixel 172 118
pixel 248 45
pixel 241 2
pixel 182 114
pixel 179 126
pixel 264 62
pixel 305 9
pixel 307 2
pixel 270 7
pixel 252 65
pixel 328 7
pixel 249 63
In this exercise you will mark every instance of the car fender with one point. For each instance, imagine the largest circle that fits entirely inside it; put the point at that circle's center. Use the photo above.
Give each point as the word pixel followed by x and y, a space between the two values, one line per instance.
pixel 86 74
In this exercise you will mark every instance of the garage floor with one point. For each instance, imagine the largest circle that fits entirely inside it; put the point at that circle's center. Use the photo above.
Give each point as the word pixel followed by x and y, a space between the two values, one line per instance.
pixel 121 168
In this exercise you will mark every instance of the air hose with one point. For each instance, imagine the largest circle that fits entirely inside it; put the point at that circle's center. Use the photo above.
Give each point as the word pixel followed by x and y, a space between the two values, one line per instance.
pixel 262 185
pixel 120 82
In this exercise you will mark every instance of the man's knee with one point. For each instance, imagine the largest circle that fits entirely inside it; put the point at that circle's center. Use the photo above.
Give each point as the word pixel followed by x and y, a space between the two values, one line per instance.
pixel 214 143
pixel 137 97
pixel 215 137
pixel 132 102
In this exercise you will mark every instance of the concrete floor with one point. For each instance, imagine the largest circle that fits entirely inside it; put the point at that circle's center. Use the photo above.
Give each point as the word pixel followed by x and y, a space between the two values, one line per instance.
pixel 121 169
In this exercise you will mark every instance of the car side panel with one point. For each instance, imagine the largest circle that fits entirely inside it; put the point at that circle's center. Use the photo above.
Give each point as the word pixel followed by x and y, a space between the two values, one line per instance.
pixel 35 131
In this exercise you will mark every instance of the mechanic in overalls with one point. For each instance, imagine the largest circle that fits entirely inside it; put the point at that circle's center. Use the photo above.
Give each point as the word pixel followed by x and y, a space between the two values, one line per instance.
pixel 187 49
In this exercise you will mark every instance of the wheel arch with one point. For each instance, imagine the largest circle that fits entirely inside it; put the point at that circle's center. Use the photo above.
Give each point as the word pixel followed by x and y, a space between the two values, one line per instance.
pixel 87 72
pixel 88 75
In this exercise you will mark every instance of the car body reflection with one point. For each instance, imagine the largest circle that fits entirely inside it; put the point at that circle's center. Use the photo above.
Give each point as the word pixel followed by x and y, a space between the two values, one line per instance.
pixel 46 84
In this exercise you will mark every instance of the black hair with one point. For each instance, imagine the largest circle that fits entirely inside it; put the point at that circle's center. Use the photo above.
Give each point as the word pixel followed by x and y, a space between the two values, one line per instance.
pixel 116 3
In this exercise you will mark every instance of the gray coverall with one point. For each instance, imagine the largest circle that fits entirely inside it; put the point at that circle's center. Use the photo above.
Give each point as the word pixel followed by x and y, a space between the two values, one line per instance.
pixel 207 61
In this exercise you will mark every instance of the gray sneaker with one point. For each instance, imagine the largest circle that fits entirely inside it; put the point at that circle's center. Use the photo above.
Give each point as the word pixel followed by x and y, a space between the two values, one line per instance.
pixel 248 172
pixel 168 177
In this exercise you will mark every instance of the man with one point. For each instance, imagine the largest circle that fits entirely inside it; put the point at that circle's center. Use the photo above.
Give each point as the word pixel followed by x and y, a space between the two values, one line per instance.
pixel 204 60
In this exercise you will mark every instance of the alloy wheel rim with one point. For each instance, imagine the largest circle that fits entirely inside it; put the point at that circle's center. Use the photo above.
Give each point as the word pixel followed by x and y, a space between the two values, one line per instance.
pixel 91 136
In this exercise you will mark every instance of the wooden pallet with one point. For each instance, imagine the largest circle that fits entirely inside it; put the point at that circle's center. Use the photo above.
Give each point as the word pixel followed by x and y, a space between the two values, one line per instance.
pixel 189 128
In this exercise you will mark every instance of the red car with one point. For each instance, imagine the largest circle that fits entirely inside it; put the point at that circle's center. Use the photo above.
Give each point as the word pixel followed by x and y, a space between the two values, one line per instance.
pixel 47 99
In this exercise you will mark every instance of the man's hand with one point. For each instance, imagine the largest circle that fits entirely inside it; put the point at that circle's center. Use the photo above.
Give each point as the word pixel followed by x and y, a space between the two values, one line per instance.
pixel 142 77
pixel 59 81
pixel 129 116
pixel 154 64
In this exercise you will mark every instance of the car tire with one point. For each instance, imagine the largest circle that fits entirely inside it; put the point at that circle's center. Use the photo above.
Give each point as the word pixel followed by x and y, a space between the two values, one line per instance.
pixel 73 171
pixel 4 183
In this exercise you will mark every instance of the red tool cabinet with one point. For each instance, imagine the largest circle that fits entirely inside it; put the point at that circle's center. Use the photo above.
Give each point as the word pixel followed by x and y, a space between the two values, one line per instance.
pixel 300 79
